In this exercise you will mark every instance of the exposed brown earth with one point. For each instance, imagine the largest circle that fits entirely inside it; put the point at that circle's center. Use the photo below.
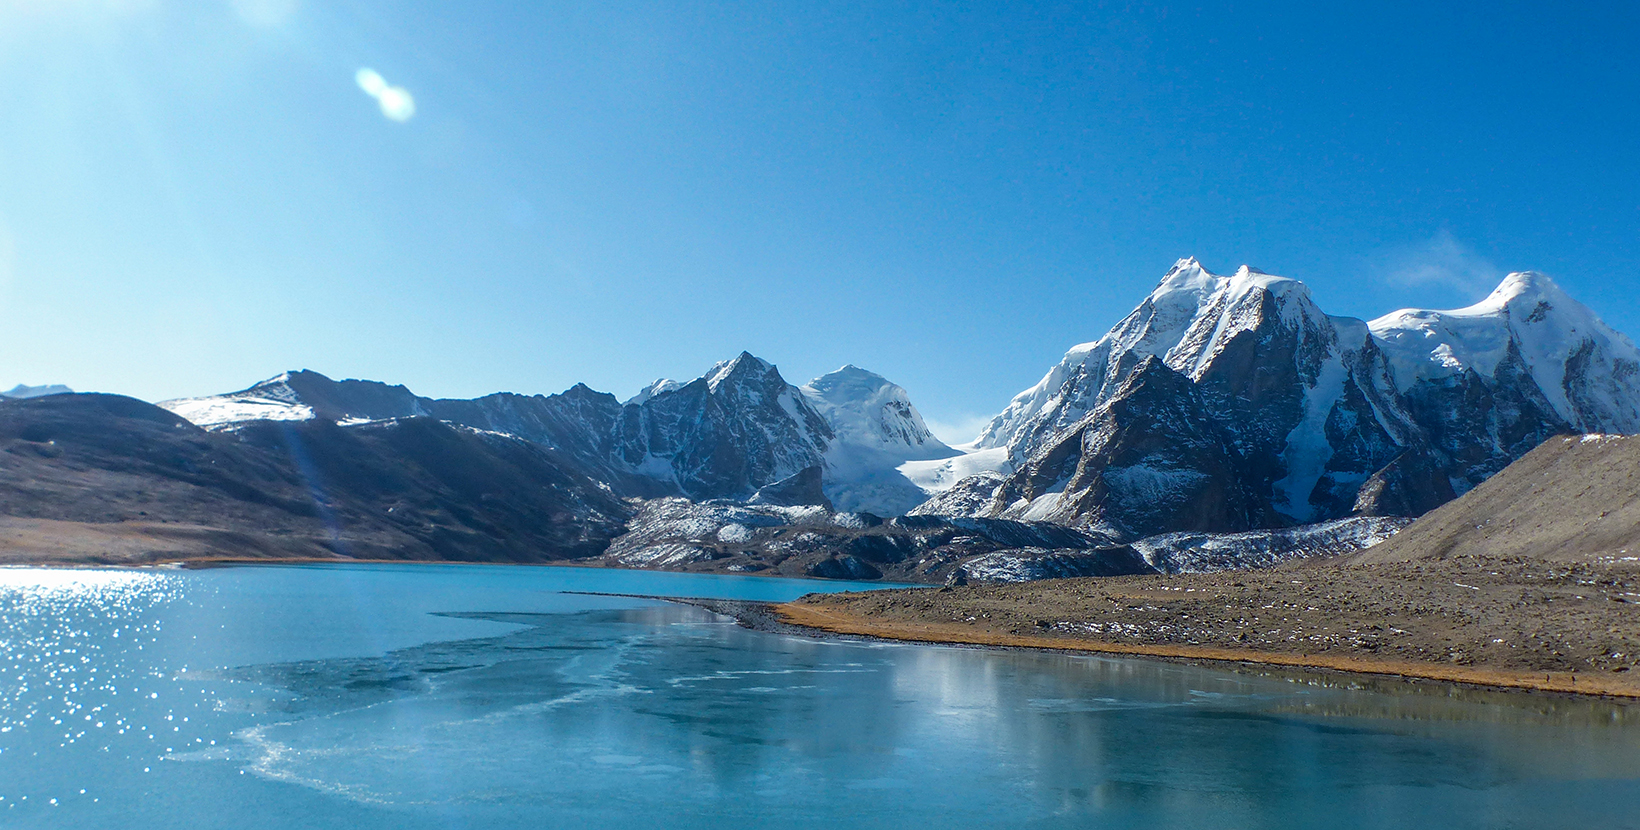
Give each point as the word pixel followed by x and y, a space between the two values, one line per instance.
pixel 1494 622
pixel 1531 580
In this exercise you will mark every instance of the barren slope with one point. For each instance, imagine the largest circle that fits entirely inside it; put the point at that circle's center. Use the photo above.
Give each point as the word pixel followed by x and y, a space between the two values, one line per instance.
pixel 1573 499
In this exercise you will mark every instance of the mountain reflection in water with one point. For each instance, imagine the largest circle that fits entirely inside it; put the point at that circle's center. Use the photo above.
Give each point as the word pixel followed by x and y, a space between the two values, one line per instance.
pixel 452 696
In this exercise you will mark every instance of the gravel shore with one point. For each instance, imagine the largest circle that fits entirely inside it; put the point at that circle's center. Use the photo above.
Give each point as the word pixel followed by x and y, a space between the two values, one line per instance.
pixel 1512 622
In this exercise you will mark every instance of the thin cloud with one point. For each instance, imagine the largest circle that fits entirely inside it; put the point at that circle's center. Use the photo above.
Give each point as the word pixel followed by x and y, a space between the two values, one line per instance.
pixel 1444 262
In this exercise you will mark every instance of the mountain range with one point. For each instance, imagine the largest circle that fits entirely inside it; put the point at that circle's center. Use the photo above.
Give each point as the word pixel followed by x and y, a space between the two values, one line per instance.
pixel 1228 403
pixel 1220 405
pixel 724 435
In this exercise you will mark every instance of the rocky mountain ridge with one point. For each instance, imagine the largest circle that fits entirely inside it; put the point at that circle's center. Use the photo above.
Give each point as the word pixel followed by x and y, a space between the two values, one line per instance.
pixel 1230 403
pixel 1222 404
pixel 736 429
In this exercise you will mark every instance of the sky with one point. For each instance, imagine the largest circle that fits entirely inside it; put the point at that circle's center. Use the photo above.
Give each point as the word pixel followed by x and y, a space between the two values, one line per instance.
pixel 482 196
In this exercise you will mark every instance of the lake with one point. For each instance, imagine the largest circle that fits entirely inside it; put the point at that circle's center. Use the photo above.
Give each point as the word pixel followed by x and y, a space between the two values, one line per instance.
pixel 446 696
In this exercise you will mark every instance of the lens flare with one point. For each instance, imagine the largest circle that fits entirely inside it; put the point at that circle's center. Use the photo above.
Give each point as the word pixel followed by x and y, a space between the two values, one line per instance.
pixel 395 101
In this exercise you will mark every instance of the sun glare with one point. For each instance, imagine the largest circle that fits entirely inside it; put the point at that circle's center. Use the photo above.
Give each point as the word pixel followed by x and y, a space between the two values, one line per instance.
pixel 395 101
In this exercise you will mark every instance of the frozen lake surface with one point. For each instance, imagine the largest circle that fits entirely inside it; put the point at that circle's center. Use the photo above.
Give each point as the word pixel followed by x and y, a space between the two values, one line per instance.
pixel 442 696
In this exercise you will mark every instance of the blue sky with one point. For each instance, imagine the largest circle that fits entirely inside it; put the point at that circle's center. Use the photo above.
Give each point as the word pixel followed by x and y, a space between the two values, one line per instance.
pixel 194 196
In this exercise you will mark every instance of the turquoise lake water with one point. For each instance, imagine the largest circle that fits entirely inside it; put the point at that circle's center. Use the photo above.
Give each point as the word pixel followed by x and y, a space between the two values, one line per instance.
pixel 428 696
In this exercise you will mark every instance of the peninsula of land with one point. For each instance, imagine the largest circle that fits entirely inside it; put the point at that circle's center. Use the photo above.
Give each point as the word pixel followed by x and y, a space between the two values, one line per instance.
pixel 1531 580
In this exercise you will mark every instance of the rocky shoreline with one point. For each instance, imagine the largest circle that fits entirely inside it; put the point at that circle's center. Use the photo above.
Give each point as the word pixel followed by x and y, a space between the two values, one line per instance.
pixel 1548 627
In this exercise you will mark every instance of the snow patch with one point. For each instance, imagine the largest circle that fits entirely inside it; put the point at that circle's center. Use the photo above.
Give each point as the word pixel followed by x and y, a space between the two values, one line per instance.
pixel 939 475
pixel 1308 451
pixel 1209 552
pixel 219 412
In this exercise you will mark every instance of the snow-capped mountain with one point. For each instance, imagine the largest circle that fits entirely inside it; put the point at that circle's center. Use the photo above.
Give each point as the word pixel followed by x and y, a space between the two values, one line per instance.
pixel 725 434
pixel 1279 413
pixel 299 396
pixel 1222 403
pixel 738 428
pixel 1490 382
pixel 1302 401
pixel 875 431
pixel 866 410
pixel 21 391
pixel 1150 460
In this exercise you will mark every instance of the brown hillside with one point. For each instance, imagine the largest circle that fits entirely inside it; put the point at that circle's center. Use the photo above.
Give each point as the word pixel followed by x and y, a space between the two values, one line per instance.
pixel 1573 499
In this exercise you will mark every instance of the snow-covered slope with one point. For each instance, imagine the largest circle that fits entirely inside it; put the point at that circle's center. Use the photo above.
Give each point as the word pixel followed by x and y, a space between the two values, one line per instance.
pixel 300 396
pixel 1587 372
pixel 1319 416
pixel 866 410
pixel 22 391
pixel 1297 404
pixel 875 430
pixel 1209 552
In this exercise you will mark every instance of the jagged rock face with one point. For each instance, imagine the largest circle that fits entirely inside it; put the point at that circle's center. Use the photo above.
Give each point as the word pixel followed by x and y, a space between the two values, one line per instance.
pixel 1326 416
pixel 802 488
pixel 736 429
pixel 726 434
pixel 1303 402
pixel 1413 484
pixel 1151 459
pixel 579 420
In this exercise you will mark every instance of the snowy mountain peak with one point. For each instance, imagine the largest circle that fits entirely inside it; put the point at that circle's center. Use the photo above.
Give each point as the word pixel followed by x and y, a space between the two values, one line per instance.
pixel 659 386
pixel 867 410
pixel 1320 416
pixel 744 365
pixel 1189 320
pixel 1588 373
pixel 1529 286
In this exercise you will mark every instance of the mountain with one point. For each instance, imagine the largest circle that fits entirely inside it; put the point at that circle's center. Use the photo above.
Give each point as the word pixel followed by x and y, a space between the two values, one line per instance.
pixel 866 410
pixel 875 430
pixel 1149 460
pixel 104 478
pixel 736 429
pixel 21 391
pixel 299 396
pixel 1490 382
pixel 1280 414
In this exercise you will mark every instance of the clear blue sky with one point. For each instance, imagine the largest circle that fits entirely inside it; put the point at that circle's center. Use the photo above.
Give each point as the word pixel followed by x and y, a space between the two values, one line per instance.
pixel 197 195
